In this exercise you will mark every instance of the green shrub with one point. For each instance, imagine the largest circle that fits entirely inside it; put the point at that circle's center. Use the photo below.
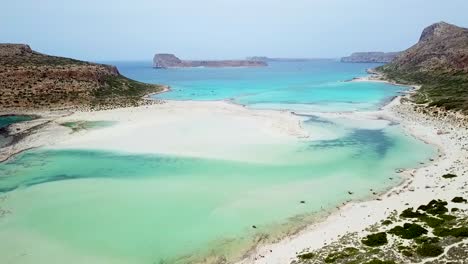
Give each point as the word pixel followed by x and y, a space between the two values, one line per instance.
pixel 345 253
pixel 455 232
pixel 449 176
pixel 408 231
pixel 387 222
pixel 308 255
pixel 434 207
pixel 426 239
pixel 408 213
pixel 448 217
pixel 375 240
pixel 429 250
pixel 460 232
pixel 459 199
pixel 431 221
pixel 378 261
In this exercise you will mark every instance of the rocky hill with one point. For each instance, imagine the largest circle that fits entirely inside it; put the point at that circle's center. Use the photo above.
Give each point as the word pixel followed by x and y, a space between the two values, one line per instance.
pixel 171 61
pixel 371 57
pixel 438 62
pixel 31 80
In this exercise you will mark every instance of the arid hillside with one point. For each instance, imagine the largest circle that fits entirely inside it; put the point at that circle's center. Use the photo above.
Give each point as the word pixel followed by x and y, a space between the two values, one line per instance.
pixel 31 80
pixel 438 62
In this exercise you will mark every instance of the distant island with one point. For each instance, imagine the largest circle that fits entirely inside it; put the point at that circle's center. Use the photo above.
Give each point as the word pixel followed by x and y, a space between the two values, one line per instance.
pixel 164 61
pixel 31 80
pixel 268 59
pixel 371 57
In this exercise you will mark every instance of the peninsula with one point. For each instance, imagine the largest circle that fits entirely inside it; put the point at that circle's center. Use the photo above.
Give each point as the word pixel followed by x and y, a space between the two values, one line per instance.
pixel 371 57
pixel 32 80
pixel 164 61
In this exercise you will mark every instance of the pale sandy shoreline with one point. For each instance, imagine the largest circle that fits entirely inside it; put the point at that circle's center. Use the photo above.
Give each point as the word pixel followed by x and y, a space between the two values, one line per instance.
pixel 217 129
pixel 420 185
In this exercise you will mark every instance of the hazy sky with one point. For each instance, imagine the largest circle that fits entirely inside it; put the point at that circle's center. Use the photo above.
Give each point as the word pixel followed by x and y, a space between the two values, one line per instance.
pixel 126 30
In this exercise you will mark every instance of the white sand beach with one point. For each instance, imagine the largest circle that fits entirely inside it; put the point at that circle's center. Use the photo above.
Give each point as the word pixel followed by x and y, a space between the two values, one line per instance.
pixel 219 130
pixel 421 186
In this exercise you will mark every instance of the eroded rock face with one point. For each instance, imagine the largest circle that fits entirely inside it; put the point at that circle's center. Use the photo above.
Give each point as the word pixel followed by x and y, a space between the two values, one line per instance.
pixel 14 49
pixel 436 29
pixel 442 47
pixel 164 61
pixel 371 57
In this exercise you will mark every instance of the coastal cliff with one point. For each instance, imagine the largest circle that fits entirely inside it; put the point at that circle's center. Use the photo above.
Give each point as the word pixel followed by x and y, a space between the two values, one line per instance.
pixel 369 57
pixel 439 63
pixel 31 80
pixel 164 61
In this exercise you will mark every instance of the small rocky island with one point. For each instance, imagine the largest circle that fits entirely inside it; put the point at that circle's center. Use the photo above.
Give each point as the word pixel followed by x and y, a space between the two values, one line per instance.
pixel 371 57
pixel 164 61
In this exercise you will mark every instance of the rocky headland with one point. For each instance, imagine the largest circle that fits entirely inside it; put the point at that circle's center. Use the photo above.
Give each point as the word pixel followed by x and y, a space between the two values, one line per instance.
pixel 439 63
pixel 164 61
pixel 371 57
pixel 30 80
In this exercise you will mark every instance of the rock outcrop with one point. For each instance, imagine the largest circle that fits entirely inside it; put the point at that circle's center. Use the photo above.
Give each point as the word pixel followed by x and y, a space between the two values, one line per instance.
pixel 164 61
pixel 442 47
pixel 31 80
pixel 371 57
pixel 438 62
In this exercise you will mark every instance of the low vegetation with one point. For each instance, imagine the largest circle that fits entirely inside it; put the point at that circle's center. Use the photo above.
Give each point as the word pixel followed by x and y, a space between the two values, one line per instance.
pixel 459 200
pixel 375 240
pixel 449 176
pixel 429 250
pixel 408 231
pixel 411 236
pixel 438 88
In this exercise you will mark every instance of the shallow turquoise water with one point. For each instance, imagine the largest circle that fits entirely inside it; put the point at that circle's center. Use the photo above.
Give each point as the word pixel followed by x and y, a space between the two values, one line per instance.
pixel 11 119
pixel 8 120
pixel 121 208
pixel 318 83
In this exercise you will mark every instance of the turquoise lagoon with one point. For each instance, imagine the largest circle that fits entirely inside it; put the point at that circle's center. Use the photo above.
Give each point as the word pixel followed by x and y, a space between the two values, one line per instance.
pixel 80 206
pixel 7 120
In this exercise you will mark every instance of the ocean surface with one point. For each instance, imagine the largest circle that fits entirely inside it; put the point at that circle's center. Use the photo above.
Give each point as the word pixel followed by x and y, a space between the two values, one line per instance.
pixel 79 206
